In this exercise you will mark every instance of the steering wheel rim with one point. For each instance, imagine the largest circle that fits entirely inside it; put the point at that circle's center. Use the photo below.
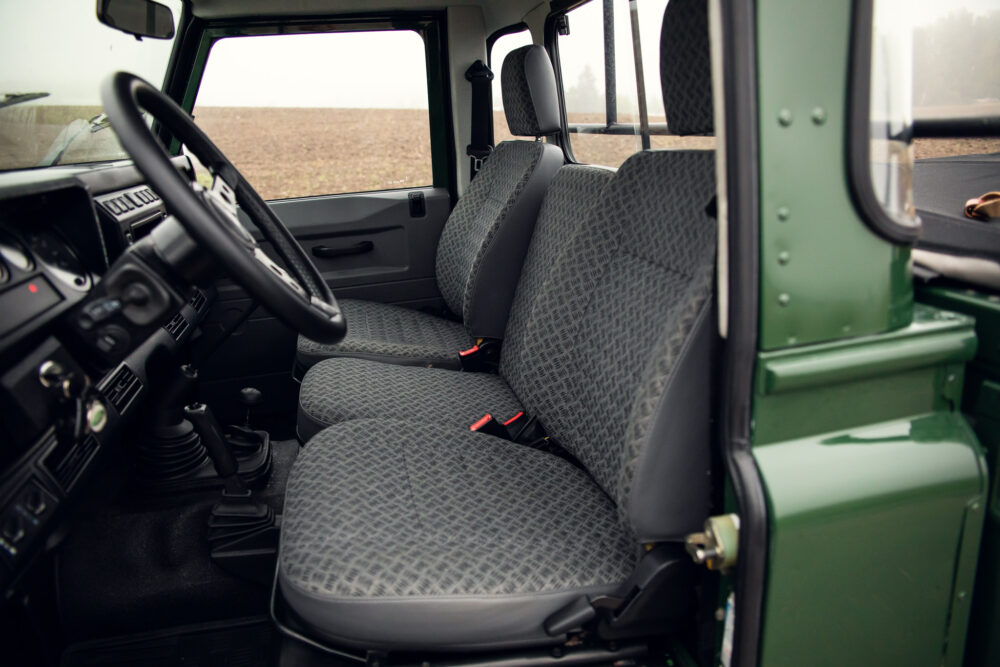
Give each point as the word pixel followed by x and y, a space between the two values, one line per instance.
pixel 299 297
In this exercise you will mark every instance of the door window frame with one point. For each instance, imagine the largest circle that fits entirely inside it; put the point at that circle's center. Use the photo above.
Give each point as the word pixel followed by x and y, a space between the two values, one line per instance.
pixel 195 45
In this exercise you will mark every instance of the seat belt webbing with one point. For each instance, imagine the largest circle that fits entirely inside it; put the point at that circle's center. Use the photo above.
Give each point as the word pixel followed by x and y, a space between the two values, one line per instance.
pixel 481 78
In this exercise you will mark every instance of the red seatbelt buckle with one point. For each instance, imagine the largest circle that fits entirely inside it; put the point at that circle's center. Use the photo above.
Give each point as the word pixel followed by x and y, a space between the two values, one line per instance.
pixel 513 419
pixel 490 426
pixel 481 422
pixel 484 356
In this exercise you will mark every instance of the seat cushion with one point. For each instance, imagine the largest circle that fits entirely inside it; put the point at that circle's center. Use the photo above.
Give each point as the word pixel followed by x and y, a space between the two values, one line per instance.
pixel 393 334
pixel 401 535
pixel 337 390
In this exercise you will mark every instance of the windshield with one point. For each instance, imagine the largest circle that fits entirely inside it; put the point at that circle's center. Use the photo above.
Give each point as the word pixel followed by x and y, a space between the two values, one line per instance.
pixel 55 55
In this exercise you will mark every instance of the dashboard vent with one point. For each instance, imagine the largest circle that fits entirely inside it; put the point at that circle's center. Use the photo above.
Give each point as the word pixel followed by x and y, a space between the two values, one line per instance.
pixel 67 460
pixel 177 326
pixel 122 389
pixel 198 300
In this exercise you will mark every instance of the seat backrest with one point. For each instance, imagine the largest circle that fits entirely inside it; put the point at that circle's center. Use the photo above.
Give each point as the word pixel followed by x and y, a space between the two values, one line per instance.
pixel 483 243
pixel 614 353
pixel 567 204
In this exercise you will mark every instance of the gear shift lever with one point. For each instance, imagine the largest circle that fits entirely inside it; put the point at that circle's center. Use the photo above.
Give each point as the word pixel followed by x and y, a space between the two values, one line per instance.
pixel 242 532
pixel 217 448
pixel 250 397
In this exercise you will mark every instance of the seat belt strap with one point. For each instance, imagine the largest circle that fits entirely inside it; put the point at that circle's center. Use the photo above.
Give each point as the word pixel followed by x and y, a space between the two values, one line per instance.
pixel 481 78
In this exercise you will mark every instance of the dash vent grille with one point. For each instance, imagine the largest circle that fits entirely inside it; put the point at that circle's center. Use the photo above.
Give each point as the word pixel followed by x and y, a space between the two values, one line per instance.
pixel 122 389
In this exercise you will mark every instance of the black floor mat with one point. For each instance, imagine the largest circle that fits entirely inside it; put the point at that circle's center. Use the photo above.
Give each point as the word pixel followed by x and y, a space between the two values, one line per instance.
pixel 128 569
pixel 249 642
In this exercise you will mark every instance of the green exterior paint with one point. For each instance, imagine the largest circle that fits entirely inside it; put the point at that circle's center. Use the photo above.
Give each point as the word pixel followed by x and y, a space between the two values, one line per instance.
pixel 982 402
pixel 870 545
pixel 876 488
pixel 840 384
pixel 824 274
pixel 208 38
pixel 935 336
pixel 875 482
pixel 985 308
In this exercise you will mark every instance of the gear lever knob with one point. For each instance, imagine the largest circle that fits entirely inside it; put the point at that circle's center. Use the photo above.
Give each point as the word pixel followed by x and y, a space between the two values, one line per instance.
pixel 250 397
pixel 217 447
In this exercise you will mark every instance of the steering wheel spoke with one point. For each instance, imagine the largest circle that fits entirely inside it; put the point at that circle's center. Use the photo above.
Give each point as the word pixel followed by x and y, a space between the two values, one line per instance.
pixel 283 275
pixel 222 200
pixel 211 215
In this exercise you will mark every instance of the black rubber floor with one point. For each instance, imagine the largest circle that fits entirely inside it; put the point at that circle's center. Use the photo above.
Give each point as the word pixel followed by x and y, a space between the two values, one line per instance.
pixel 249 642
pixel 123 570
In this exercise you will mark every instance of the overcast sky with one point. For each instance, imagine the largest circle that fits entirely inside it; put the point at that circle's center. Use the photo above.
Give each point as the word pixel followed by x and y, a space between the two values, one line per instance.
pixel 58 46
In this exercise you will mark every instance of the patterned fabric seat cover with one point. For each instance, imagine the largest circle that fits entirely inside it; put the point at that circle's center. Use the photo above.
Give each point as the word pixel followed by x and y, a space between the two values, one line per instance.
pixel 482 245
pixel 417 535
pixel 337 390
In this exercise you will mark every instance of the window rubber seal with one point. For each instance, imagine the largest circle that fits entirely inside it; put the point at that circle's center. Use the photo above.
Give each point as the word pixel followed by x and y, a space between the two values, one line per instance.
pixel 858 145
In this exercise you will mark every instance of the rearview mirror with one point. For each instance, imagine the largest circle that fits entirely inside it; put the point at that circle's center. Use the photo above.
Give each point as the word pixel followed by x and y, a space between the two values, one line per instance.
pixel 142 18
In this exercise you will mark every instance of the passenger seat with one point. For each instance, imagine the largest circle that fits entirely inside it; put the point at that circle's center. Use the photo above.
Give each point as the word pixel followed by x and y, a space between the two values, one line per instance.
pixel 419 535
pixel 482 245
pixel 339 390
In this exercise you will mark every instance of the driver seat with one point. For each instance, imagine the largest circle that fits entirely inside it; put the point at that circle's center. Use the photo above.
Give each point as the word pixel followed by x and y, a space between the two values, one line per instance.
pixel 482 245
pixel 402 535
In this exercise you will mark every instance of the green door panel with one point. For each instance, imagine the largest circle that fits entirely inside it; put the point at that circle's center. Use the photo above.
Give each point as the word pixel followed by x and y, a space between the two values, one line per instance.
pixel 874 533
pixel 876 483
pixel 982 402
pixel 984 630
pixel 824 274
pixel 840 384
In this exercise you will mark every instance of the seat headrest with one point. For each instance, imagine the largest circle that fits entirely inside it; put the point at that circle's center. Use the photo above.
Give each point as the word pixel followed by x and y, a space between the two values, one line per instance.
pixel 686 67
pixel 529 92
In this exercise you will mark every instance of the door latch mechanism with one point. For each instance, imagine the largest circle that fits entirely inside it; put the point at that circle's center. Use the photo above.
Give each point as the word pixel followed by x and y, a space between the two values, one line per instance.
pixel 717 547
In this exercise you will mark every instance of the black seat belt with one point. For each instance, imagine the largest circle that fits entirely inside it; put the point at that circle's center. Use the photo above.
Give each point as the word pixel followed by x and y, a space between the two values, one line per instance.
pixel 481 78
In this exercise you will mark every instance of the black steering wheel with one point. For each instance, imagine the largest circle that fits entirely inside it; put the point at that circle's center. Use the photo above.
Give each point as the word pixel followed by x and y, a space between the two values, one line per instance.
pixel 301 299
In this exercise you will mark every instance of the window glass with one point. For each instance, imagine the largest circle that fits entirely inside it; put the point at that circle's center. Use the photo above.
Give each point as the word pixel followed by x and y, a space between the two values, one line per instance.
pixel 595 135
pixel 891 113
pixel 956 51
pixel 56 54
pixel 324 113
pixel 504 45
pixel 581 59
pixel 929 61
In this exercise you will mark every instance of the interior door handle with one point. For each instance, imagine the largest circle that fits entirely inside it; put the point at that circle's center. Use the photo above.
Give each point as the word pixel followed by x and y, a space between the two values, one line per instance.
pixel 326 252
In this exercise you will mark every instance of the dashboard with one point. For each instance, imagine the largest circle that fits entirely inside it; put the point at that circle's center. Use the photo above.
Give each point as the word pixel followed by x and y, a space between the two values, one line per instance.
pixel 83 326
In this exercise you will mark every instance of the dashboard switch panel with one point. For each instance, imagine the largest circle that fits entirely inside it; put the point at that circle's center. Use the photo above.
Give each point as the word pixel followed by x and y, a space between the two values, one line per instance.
pixel 24 301
pixel 21 521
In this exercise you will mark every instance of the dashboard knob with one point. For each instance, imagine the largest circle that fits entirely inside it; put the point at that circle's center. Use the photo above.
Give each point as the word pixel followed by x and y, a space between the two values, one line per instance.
pixel 35 503
pixel 12 529
pixel 97 416
pixel 52 374
pixel 137 294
